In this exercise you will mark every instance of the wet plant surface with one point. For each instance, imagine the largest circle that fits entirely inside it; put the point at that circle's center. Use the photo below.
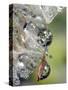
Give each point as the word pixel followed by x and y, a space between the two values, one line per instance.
pixel 37 32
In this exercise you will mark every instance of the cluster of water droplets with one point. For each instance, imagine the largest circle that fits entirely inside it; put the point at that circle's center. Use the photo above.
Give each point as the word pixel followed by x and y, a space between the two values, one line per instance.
pixel 30 37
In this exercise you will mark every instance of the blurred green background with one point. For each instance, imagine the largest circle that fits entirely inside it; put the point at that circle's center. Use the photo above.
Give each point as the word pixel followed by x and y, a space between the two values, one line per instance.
pixel 58 50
